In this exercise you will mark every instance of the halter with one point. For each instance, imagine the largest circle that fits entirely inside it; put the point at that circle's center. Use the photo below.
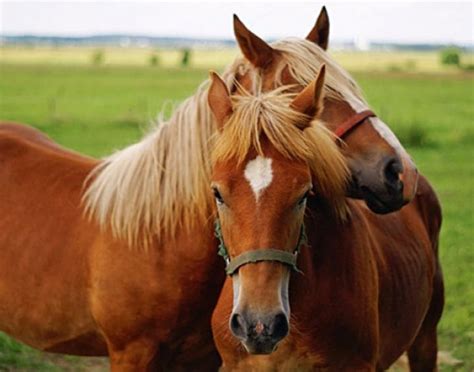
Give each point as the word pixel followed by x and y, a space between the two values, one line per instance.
pixel 270 254
pixel 257 255
pixel 353 122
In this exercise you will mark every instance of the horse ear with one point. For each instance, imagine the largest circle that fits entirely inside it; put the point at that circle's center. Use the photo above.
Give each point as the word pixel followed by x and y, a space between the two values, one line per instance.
pixel 257 51
pixel 219 100
pixel 310 100
pixel 320 32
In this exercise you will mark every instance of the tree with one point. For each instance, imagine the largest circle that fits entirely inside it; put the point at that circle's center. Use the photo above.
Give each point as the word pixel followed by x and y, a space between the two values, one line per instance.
pixel 450 56
pixel 186 57
pixel 154 60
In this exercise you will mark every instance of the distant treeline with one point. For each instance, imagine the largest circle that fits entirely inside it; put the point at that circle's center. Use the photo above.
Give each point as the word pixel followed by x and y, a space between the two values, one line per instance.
pixel 113 40
pixel 183 42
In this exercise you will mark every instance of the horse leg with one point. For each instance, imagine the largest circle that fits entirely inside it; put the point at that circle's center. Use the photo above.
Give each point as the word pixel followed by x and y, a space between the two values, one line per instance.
pixel 139 356
pixel 423 352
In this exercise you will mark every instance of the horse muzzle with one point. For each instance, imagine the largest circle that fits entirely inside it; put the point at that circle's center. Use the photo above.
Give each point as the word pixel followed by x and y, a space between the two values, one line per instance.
pixel 381 186
pixel 259 334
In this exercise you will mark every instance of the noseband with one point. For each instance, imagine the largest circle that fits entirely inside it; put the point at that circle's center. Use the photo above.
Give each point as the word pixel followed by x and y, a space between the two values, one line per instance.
pixel 257 255
pixel 354 121
pixel 276 255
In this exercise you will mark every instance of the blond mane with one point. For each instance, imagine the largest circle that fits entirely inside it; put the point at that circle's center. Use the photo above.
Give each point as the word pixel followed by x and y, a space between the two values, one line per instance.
pixel 304 59
pixel 269 115
pixel 161 184
pixel 152 188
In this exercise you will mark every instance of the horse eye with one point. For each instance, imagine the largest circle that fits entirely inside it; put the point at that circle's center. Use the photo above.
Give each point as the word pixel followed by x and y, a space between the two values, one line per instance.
pixel 217 196
pixel 304 198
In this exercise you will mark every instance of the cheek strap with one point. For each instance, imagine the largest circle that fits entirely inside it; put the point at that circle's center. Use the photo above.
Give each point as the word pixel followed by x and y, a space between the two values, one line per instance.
pixel 257 255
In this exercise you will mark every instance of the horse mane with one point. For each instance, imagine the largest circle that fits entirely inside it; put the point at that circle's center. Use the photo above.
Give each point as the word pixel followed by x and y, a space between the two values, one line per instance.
pixel 304 59
pixel 269 115
pixel 161 184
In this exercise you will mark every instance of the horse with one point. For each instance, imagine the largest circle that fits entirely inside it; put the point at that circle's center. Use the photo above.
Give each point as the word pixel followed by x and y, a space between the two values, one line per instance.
pixel 364 287
pixel 69 285
pixel 116 256
pixel 383 174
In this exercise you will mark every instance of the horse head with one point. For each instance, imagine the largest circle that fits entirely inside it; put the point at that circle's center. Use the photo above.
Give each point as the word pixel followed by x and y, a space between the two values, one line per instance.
pixel 382 172
pixel 269 156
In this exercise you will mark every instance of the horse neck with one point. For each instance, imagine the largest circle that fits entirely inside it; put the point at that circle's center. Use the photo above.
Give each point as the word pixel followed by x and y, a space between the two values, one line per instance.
pixel 322 226
pixel 195 244
pixel 339 288
pixel 334 245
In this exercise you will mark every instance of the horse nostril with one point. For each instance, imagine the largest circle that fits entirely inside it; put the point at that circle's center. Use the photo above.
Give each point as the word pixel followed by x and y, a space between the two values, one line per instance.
pixel 279 327
pixel 238 325
pixel 392 171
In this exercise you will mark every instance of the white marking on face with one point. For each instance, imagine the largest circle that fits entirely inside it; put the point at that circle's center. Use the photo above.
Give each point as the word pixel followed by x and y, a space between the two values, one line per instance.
pixel 236 291
pixel 384 131
pixel 387 134
pixel 259 174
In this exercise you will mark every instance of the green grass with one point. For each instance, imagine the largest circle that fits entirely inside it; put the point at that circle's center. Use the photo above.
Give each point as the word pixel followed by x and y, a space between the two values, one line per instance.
pixel 92 109
pixel 98 109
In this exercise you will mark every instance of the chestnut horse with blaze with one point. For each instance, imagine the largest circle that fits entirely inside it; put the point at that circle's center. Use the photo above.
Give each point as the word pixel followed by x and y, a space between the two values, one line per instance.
pixel 371 285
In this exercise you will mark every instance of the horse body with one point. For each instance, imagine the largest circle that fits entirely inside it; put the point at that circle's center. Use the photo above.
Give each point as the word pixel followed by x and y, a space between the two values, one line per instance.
pixel 66 286
pixel 371 288
pixel 40 217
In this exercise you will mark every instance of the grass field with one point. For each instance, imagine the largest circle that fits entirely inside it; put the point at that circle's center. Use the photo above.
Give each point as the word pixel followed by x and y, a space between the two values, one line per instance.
pixel 96 109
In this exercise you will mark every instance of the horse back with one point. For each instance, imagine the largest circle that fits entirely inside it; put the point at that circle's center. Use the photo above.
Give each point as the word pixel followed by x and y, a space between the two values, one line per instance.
pixel 23 132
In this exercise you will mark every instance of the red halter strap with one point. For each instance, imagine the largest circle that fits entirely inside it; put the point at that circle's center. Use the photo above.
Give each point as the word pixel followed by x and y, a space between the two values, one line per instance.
pixel 353 122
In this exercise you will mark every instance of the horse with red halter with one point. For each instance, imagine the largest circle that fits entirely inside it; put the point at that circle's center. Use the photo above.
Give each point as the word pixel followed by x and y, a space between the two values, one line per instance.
pixel 139 279
pixel 365 287
pixel 382 173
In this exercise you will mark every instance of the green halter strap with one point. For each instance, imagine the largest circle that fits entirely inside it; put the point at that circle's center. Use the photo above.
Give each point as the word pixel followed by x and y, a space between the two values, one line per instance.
pixel 268 254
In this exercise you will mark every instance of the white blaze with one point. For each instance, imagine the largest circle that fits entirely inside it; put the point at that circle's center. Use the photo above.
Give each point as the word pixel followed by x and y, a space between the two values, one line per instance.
pixel 384 131
pixel 259 174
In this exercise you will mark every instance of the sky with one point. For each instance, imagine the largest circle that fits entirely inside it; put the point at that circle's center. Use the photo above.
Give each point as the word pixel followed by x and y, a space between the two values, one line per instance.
pixel 407 22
